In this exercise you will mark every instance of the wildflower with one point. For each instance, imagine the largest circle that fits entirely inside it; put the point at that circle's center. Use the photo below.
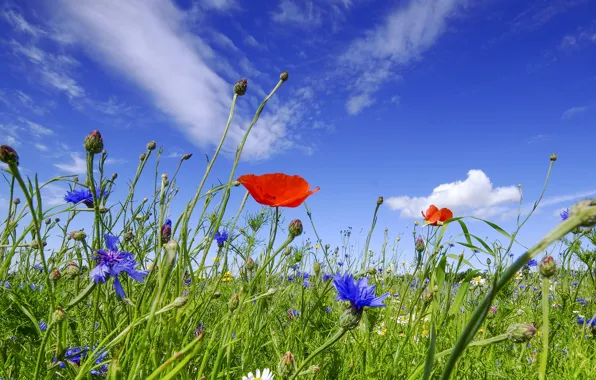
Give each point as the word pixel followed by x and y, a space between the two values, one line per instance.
pixel 221 237
pixel 340 263
pixel 293 314
pixel 581 301
pixel 8 155
pixel 166 231
pixel 199 331
pixel 328 309
pixel 295 228
pixel 93 142
pixel 419 245
pixel 581 320
pixel 286 366
pixel 359 294
pixel 43 326
pixel 518 276
pixel 317 246
pixel 266 375
pixel 277 189
pixel 521 332
pixel 382 329
pixel 564 214
pixel 112 263
pixel 38 267
pixel 532 263
pixel 478 281
pixel 436 217
pixel 575 283
pixel 306 284
pixel 327 277
pixel 84 195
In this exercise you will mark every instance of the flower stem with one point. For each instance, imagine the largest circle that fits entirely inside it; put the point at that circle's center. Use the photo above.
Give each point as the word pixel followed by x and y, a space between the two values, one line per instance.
pixel 323 347
pixel 544 355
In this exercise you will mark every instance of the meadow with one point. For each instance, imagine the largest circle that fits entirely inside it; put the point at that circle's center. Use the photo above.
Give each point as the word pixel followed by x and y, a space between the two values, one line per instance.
pixel 135 295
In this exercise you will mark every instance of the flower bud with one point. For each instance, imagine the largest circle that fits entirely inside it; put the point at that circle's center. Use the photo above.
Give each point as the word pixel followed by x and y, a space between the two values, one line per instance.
pixel 492 312
pixel 171 248
pixel 288 251
pixel 553 157
pixel 250 264
pixel 488 261
pixel 350 318
pixel 419 245
pixel 72 270
pixel 295 228
pixel 547 267
pixel 8 155
pixel 180 301
pixel 143 156
pixel 16 201
pixel 151 145
pixel 128 236
pixel 35 244
pixel 58 315
pixel 57 220
pixel 233 303
pixel 78 235
pixel 317 268
pixel 286 366
pixel 166 233
pixel 284 76
pixel 521 332
pixel 371 271
pixel 240 87
pixel 114 176
pixel 186 156
pixel 48 221
pixel 298 257
pixel 55 275
pixel 93 142
pixel 379 201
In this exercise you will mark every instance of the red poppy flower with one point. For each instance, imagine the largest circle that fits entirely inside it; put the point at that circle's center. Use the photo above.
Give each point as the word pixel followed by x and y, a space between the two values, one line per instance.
pixel 277 189
pixel 435 217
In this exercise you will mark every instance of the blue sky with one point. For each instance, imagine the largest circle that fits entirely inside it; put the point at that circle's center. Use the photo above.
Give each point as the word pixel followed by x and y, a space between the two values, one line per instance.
pixel 451 102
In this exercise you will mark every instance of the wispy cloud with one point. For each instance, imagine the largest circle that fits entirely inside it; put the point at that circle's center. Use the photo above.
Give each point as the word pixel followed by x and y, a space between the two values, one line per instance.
pixel 474 194
pixel 299 13
pixel 219 5
pixel 77 165
pixel 41 147
pixel 574 111
pixel 538 138
pixel 405 34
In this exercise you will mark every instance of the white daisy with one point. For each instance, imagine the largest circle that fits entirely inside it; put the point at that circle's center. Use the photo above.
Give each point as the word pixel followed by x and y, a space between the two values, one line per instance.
pixel 266 375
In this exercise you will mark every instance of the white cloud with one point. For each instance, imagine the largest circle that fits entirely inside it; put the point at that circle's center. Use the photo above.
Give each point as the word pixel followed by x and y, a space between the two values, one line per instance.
pixel 568 42
pixel 220 5
pixel 251 41
pixel 475 194
pixel 11 140
pixel 401 38
pixel 19 23
pixel 224 41
pixel 303 14
pixel 53 195
pixel 77 166
pixel 38 130
pixel 574 111
pixel 358 102
pixel 149 45
pixel 41 147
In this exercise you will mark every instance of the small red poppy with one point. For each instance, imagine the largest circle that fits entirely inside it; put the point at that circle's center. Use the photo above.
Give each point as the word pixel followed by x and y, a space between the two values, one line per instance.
pixel 435 217
pixel 277 189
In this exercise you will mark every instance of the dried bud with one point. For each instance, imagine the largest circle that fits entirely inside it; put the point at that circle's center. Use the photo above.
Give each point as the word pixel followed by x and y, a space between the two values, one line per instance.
pixel 521 332
pixel 316 268
pixel 151 145
pixel 240 87
pixel 233 302
pixel 284 76
pixel 72 270
pixel 48 221
pixel 286 366
pixel 55 275
pixel 180 301
pixel 419 245
pixel 547 267
pixel 379 201
pixel 350 318
pixel 17 201
pixel 250 264
pixel 143 156
pixel 58 315
pixel 186 156
pixel 295 228
pixel 8 155
pixel 93 142
pixel 553 157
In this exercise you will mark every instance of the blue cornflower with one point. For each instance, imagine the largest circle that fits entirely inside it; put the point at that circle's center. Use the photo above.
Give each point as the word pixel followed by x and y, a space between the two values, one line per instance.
pixel 32 286
pixel 305 275
pixel 532 263
pixel 358 293
pixel 511 255
pixel 221 237
pixel 187 281
pixel 102 370
pixel 294 267
pixel 380 269
pixel 564 214
pixel 38 267
pixel 112 263
pixel 293 313
pixel 340 263
pixel 327 309
pixel 43 326
pixel 290 278
pixel 582 301
pixel 83 195
pixel 75 354
pixel 582 321
pixel 575 283
pixel 306 284
pixel 327 277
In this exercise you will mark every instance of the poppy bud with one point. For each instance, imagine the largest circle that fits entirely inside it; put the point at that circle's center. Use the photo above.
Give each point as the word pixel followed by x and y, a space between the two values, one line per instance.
pixel 316 268
pixel 151 145
pixel 295 228
pixel 186 156
pixel 8 155
pixel 286 366
pixel 143 156
pixel 419 244
pixel 521 332
pixel 240 87
pixel 180 301
pixel 547 267
pixel 58 315
pixel 553 157
pixel 233 303
pixel 166 233
pixel 93 142
pixel 250 264
pixel 379 201
pixel 350 318
pixel 284 76
pixel 16 201
pixel 586 210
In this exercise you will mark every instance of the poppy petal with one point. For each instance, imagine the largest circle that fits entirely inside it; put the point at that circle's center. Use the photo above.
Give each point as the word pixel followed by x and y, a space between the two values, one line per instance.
pixel 432 215
pixel 277 189
pixel 299 199
pixel 446 214
pixel 432 209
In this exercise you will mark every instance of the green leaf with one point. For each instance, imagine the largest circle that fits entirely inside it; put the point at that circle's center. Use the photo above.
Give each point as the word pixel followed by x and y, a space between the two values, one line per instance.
pixel 463 289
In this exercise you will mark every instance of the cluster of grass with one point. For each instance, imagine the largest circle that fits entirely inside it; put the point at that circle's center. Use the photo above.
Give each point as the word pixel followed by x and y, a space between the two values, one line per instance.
pixel 167 312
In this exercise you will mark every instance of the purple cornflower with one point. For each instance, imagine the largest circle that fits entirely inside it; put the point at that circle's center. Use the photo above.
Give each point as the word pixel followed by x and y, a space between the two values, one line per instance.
pixel 532 263
pixel 305 275
pixel 112 263
pixel 564 214
pixel 166 231
pixel 38 267
pixel 43 326
pixel 575 283
pixel 83 195
pixel 32 286
pixel 358 293
pixel 327 309
pixel 327 277
pixel 582 321
pixel 221 237
pixel 340 263
pixel 306 284
pixel 290 277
